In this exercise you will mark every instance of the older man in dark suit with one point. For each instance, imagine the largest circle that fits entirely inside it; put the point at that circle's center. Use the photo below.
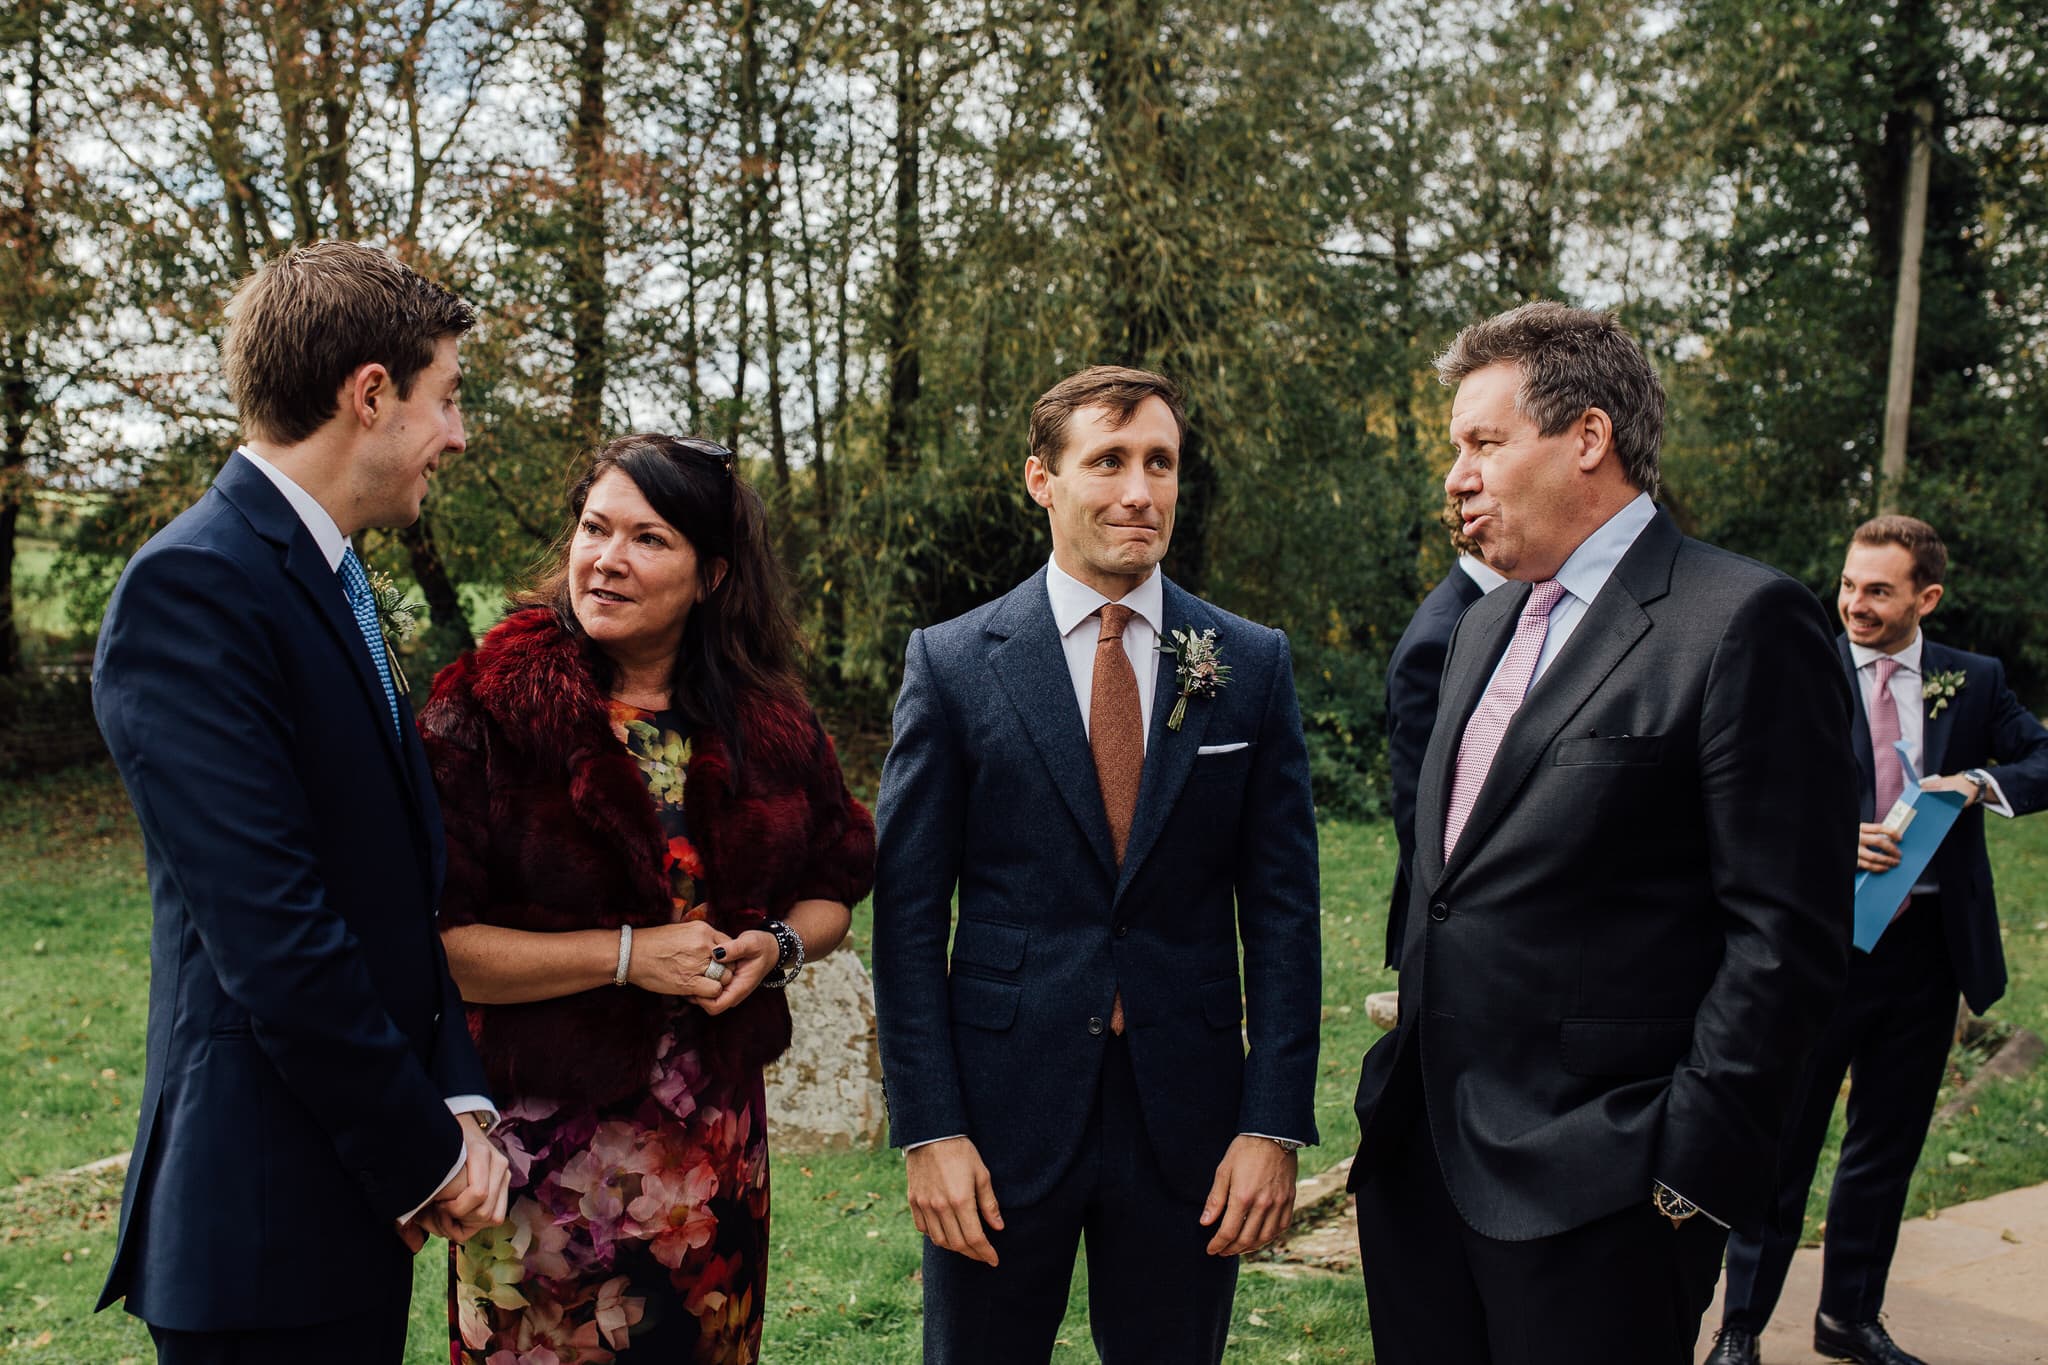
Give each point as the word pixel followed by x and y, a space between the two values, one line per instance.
pixel 1415 673
pixel 1632 898
pixel 311 1102
pixel 1117 821
pixel 1892 1031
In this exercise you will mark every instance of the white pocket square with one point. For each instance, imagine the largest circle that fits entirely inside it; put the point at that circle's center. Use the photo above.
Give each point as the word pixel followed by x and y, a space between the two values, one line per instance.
pixel 1208 749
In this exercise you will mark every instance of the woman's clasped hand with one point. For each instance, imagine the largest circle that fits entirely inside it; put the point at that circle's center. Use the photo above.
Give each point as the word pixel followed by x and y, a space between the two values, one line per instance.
pixel 670 959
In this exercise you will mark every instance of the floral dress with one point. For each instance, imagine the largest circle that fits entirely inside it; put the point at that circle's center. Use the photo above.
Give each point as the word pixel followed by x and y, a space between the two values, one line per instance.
pixel 638 1230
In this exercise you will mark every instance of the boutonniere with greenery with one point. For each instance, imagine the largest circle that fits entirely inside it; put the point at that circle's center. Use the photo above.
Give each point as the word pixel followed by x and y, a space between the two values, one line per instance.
pixel 397 619
pixel 1941 688
pixel 1198 668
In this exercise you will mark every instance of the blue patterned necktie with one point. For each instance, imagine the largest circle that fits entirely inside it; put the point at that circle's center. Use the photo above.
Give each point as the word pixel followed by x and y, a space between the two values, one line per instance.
pixel 363 603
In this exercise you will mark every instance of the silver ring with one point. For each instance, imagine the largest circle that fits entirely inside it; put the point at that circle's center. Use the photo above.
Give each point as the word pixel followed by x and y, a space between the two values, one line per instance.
pixel 715 970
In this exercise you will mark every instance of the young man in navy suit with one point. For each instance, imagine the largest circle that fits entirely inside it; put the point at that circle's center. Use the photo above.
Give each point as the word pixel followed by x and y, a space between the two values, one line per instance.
pixel 312 1104
pixel 1892 1031
pixel 1117 826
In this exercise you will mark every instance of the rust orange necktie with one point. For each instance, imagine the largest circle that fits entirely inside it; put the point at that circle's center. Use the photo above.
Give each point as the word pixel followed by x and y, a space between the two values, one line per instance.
pixel 1116 735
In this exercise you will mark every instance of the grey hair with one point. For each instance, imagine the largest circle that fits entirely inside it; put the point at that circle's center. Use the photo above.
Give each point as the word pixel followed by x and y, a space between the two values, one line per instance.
pixel 1571 359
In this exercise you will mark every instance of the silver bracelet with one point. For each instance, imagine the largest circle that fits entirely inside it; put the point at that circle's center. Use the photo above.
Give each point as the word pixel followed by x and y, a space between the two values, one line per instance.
pixel 625 954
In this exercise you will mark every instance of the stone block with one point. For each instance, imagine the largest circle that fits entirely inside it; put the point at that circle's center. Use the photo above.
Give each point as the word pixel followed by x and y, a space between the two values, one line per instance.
pixel 825 1094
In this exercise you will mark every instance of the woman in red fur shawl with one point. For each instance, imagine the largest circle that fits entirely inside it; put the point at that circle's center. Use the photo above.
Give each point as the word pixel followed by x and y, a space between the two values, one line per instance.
pixel 648 835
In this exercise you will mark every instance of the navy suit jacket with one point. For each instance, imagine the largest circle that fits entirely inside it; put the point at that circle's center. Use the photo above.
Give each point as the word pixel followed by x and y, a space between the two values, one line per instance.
pixel 303 1031
pixel 1415 676
pixel 989 789
pixel 1983 725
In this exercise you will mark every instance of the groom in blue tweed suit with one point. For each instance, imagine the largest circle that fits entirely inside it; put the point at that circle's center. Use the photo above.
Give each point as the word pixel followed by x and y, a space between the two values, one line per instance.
pixel 1092 1065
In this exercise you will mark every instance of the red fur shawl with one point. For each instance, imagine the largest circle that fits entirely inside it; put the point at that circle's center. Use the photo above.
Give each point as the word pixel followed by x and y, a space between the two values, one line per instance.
pixel 550 827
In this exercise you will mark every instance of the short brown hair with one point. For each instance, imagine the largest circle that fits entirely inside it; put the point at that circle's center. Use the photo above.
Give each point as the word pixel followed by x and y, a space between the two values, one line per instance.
pixel 1572 359
pixel 1116 387
pixel 1915 537
pixel 300 325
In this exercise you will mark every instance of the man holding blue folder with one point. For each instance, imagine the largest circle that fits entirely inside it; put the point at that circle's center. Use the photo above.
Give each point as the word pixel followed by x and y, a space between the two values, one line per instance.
pixel 1891 1033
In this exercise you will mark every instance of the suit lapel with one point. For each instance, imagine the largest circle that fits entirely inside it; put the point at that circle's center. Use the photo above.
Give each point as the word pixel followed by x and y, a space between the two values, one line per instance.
pixel 1859 727
pixel 1612 625
pixel 274 519
pixel 1934 737
pixel 308 567
pixel 1169 754
pixel 1488 626
pixel 1030 664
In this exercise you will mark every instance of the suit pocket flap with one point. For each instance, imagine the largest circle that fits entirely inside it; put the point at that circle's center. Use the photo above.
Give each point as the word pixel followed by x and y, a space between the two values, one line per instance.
pixel 989 943
pixel 1609 751
pixel 1623 1047
pixel 1222 1005
pixel 985 1004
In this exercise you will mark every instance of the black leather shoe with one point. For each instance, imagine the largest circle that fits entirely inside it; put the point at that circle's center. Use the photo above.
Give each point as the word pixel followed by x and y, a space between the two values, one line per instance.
pixel 1866 1343
pixel 1735 1346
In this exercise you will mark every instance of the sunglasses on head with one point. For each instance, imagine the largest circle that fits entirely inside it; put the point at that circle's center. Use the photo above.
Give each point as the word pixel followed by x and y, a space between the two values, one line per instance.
pixel 710 450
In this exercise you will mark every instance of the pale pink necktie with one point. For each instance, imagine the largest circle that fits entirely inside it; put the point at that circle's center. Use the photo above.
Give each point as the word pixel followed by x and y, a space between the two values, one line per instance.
pixel 1884 733
pixel 1489 723
pixel 1890 778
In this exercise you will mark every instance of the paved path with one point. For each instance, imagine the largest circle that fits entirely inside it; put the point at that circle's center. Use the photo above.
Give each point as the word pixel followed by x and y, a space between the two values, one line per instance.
pixel 1968 1287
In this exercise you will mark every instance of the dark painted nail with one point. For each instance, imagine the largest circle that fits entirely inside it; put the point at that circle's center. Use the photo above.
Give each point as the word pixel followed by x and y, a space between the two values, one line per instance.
pixel 718 953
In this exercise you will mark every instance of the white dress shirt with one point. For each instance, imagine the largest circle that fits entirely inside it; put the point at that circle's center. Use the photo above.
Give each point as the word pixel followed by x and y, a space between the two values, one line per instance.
pixel 1074 605
pixel 327 535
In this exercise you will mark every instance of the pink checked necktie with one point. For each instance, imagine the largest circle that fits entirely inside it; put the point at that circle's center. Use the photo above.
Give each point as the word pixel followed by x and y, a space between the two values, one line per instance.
pixel 1489 723
pixel 1884 733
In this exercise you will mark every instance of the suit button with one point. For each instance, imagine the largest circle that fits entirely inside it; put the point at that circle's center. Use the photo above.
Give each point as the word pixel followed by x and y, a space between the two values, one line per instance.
pixel 1095 1026
pixel 1122 929
pixel 1438 911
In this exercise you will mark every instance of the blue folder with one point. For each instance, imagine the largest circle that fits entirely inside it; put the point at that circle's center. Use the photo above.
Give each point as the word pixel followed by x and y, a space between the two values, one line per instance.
pixel 1928 818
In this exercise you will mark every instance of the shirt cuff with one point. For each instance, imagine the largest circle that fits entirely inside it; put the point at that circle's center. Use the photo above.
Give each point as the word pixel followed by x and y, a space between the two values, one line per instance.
pixel 458 1105
pixel 1994 796
pixel 910 1147
pixel 1291 1144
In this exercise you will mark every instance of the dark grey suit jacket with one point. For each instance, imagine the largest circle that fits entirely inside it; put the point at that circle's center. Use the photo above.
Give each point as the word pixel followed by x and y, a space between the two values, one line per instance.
pixel 989 791
pixel 1616 977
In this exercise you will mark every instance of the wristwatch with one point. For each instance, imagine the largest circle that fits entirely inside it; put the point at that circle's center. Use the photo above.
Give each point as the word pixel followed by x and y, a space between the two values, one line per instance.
pixel 1982 781
pixel 1672 1204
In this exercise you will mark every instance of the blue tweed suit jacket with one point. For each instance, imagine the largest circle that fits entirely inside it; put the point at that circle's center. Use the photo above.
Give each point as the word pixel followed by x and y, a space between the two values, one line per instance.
pixel 989 791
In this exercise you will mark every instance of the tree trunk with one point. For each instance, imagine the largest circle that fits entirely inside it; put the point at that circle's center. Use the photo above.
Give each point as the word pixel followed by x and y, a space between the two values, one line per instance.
pixel 1898 399
pixel 748 207
pixel 900 335
pixel 586 257
pixel 451 625
pixel 771 323
pixel 17 384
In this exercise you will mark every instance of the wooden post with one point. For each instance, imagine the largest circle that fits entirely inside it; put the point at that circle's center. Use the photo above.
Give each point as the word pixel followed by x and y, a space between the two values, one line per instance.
pixel 1898 399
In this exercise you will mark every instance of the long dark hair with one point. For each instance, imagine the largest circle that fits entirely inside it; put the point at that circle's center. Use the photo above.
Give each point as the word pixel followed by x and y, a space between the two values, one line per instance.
pixel 740 637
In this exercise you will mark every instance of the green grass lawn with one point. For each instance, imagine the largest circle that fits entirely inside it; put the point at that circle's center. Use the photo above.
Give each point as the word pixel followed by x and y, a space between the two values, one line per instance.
pixel 73 983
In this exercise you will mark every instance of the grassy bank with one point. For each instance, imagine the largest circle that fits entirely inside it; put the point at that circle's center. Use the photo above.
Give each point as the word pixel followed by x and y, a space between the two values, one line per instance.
pixel 73 985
